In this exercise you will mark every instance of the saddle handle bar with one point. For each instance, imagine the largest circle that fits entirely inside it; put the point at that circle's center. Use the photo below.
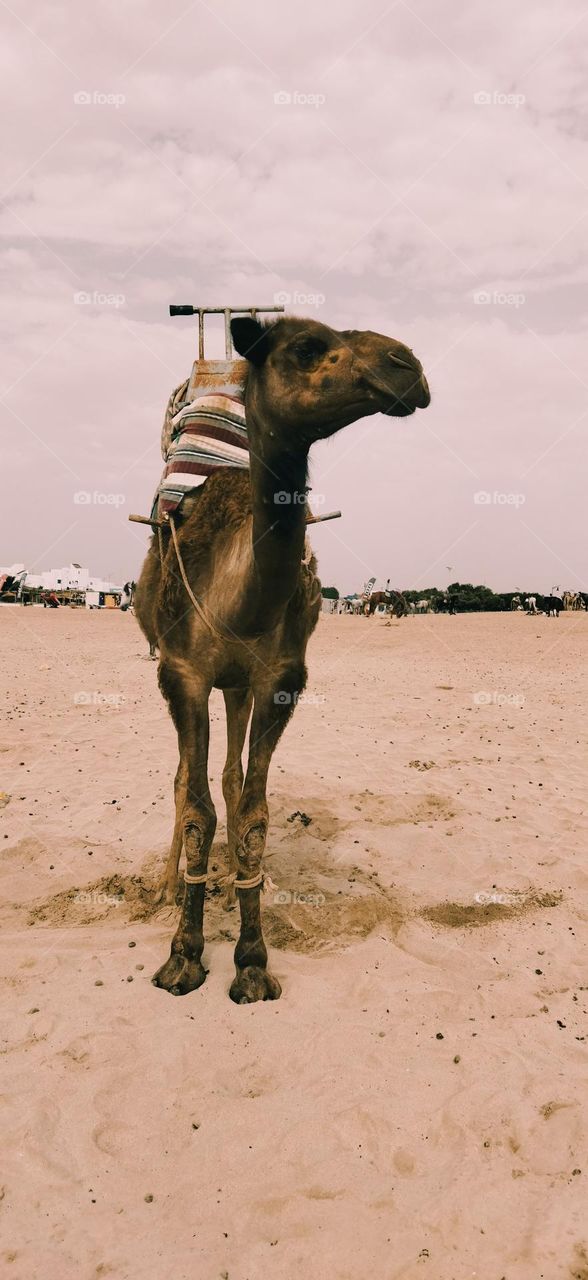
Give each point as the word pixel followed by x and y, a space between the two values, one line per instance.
pixel 201 312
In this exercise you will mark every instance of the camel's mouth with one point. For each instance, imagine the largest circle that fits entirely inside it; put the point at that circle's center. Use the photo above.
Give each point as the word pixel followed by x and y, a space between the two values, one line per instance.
pixel 394 403
pixel 398 410
pixel 387 401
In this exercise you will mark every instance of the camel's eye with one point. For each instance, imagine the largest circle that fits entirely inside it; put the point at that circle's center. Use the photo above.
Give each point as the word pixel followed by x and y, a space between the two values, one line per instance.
pixel 307 350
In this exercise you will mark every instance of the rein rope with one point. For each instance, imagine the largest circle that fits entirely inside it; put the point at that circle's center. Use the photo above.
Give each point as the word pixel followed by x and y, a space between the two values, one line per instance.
pixel 198 607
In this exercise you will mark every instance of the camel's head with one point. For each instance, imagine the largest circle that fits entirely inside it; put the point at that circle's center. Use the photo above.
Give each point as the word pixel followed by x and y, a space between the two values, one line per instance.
pixel 306 375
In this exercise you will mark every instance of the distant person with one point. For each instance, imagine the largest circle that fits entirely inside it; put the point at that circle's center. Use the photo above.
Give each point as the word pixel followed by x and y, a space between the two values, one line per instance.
pixel 450 601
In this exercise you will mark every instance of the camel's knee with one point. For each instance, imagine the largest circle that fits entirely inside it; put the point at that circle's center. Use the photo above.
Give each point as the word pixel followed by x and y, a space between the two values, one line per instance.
pixel 199 823
pixel 198 827
pixel 251 831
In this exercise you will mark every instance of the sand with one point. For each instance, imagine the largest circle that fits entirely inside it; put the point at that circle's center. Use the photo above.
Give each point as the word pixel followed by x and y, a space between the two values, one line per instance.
pixel 413 1105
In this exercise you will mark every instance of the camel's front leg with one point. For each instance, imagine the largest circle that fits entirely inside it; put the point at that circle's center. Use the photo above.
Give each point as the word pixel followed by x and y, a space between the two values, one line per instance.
pixel 167 888
pixel 271 713
pixel 183 971
pixel 238 704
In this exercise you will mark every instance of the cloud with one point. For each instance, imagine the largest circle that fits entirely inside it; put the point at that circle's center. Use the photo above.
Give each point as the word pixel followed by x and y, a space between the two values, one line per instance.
pixel 381 183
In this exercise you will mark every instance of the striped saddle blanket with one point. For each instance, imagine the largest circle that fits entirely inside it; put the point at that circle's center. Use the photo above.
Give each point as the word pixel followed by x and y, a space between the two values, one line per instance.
pixel 197 439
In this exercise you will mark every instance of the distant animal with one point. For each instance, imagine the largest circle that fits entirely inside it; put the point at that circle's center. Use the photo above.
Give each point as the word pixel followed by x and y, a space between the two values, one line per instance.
pixel 445 603
pixel 516 602
pixel 573 600
pixel 552 606
pixel 531 604
pixel 393 602
pixel 126 598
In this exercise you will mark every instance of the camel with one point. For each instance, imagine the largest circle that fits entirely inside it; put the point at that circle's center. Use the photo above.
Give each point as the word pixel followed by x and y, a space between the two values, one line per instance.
pixel 242 543
pixel 553 606
pixel 573 600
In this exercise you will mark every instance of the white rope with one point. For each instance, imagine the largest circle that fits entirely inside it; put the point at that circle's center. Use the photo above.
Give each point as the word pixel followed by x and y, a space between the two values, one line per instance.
pixel 261 877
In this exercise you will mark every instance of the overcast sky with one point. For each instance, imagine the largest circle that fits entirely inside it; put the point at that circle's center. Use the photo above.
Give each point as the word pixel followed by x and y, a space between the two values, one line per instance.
pixel 418 169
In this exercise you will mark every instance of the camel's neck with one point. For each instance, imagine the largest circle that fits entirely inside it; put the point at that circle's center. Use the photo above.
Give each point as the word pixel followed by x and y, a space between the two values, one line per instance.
pixel 278 488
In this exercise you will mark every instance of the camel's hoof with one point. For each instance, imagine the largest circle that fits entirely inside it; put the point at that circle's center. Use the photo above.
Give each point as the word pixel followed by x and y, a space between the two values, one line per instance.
pixel 179 975
pixel 253 984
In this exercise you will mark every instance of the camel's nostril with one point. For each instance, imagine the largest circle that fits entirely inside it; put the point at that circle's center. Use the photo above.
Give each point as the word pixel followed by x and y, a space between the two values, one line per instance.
pixel 401 364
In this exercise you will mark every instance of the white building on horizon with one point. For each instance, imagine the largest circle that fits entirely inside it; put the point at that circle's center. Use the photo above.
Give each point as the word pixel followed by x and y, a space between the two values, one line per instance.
pixel 72 577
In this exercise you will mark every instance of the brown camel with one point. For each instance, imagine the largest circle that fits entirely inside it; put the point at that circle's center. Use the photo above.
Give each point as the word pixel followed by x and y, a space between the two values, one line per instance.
pixel 395 603
pixel 242 541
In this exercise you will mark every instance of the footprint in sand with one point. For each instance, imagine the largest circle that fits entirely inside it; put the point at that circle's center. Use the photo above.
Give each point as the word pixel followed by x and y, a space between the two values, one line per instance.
pixel 250 1082
pixel 403 1162
pixel 113 1138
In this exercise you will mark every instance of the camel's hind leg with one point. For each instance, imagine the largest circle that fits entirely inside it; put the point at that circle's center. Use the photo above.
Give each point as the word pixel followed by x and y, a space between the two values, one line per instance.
pixel 188 702
pixel 272 710
pixel 238 703
pixel 167 888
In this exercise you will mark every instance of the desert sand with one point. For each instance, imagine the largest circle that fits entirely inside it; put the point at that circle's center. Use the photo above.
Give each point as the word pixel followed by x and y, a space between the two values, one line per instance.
pixel 413 1105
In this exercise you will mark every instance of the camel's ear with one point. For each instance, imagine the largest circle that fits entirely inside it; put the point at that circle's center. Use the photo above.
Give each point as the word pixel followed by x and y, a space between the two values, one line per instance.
pixel 250 339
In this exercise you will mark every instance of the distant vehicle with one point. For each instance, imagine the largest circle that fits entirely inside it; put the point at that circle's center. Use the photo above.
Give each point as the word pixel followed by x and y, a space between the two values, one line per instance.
pixel 102 600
